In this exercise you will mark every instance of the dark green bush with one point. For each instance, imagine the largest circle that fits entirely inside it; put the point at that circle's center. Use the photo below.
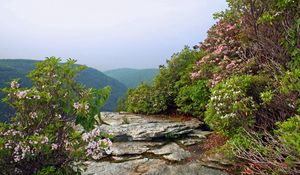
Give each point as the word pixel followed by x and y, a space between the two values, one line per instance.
pixel 193 99
pixel 146 100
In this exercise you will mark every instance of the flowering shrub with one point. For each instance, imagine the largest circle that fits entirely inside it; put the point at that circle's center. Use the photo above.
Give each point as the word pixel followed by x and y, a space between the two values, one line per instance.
pixel 224 54
pixel 230 108
pixel 43 137
pixel 193 99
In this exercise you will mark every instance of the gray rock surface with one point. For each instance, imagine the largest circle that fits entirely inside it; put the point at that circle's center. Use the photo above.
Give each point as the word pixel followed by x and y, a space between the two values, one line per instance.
pixel 146 131
pixel 144 128
pixel 172 152
pixel 148 167
pixel 133 148
pixel 150 145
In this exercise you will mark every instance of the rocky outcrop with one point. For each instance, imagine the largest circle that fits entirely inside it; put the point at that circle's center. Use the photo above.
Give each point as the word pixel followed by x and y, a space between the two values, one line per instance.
pixel 171 152
pixel 147 166
pixel 141 128
pixel 150 145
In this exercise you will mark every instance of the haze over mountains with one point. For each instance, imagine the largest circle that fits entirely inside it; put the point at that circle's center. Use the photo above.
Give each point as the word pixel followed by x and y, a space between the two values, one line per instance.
pixel 132 77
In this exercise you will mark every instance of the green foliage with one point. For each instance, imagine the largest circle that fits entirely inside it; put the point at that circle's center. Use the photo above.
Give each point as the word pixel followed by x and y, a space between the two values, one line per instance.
pixel 291 81
pixel 145 100
pixel 160 96
pixel 125 120
pixel 122 103
pixel 42 138
pixel 289 131
pixel 291 43
pixel 266 96
pixel 230 108
pixel 193 99
pixel 131 78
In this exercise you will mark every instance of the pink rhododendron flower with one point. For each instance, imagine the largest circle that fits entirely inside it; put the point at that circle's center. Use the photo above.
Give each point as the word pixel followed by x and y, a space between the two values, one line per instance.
pixel 219 49
pixel 22 94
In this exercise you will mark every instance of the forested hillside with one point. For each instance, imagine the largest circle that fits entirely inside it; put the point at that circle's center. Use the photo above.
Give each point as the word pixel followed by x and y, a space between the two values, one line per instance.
pixel 11 69
pixel 243 81
pixel 132 77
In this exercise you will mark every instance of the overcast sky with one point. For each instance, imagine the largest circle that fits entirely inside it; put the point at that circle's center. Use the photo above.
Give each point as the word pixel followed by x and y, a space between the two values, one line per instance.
pixel 104 34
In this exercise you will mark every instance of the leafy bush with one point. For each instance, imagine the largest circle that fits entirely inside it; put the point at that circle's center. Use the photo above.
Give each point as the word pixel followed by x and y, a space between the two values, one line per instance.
pixel 145 100
pixel 266 97
pixel 176 75
pixel 160 96
pixel 122 103
pixel 289 132
pixel 42 137
pixel 193 99
pixel 230 108
pixel 290 83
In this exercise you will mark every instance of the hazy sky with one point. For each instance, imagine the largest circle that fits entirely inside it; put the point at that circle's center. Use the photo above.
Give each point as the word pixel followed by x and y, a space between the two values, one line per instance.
pixel 104 34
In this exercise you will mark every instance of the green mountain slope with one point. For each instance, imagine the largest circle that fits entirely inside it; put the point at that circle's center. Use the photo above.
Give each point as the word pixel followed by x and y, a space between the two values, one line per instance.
pixel 18 68
pixel 132 77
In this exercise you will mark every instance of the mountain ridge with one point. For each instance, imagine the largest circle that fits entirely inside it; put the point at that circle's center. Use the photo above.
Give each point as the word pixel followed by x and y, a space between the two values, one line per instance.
pixel 18 68
pixel 132 77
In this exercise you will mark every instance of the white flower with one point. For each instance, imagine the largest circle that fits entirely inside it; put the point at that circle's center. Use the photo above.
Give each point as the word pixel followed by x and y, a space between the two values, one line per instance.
pixel 66 94
pixel 14 84
pixel 108 151
pixel 54 146
pixel 33 115
pixel 96 132
pixel 22 94
pixel 37 97
pixel 45 140
pixel 85 136
pixel 76 105
pixel 86 107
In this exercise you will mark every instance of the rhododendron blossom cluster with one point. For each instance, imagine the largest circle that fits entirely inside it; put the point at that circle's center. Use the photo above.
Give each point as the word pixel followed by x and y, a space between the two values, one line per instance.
pixel 96 146
pixel 223 54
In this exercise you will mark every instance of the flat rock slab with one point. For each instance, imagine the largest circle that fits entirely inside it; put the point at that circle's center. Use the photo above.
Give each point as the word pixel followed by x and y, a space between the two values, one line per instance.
pixel 145 131
pixel 172 152
pixel 133 148
pixel 116 118
pixel 148 167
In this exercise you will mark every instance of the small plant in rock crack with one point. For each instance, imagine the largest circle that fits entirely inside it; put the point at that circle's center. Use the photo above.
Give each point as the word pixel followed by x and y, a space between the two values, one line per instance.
pixel 125 120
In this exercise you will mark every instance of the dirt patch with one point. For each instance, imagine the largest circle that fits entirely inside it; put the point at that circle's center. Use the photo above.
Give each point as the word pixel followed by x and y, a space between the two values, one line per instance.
pixel 214 141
